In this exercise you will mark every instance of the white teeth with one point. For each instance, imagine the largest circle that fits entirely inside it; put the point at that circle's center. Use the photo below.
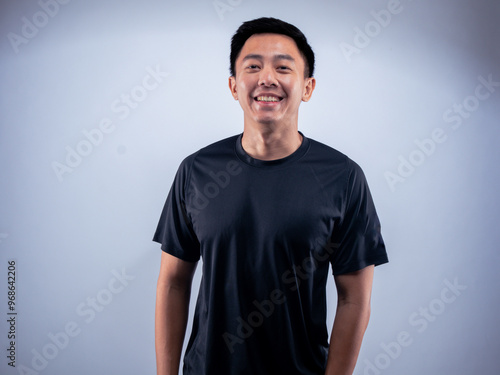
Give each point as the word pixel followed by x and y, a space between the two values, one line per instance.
pixel 267 99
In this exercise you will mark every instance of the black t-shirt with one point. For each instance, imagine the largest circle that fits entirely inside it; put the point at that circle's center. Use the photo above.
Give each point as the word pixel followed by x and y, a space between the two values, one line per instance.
pixel 267 232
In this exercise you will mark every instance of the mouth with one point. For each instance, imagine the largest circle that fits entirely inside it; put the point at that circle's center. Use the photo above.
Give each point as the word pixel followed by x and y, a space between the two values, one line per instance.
pixel 268 99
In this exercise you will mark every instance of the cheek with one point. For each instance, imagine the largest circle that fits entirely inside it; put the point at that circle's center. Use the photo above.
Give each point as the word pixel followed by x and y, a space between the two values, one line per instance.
pixel 295 91
pixel 291 85
pixel 245 92
pixel 245 87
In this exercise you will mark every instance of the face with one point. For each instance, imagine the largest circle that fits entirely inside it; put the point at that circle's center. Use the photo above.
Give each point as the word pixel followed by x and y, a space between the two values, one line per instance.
pixel 269 81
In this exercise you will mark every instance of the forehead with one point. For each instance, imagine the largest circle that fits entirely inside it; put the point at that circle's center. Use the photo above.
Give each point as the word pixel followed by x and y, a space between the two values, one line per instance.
pixel 270 45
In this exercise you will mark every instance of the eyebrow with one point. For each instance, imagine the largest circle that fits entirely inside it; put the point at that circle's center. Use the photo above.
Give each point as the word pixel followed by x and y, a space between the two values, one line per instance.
pixel 276 57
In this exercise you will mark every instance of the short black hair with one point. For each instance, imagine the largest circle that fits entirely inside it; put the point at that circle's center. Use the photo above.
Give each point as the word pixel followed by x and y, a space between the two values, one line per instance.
pixel 271 25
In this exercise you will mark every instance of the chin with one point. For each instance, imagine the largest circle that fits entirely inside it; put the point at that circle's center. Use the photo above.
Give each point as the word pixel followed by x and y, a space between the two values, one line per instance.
pixel 267 118
pixel 267 121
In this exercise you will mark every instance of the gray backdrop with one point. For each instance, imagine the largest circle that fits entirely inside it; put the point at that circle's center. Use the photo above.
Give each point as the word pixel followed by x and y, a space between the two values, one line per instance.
pixel 101 100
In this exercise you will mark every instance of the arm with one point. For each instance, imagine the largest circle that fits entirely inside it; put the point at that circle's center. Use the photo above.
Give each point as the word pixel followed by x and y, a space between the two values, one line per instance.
pixel 172 307
pixel 351 320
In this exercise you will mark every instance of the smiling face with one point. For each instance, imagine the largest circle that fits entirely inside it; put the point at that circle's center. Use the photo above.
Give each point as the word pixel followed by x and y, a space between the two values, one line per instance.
pixel 270 80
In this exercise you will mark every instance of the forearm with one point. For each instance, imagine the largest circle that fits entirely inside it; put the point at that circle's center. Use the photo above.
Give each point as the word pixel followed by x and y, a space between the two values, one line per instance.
pixel 348 330
pixel 171 315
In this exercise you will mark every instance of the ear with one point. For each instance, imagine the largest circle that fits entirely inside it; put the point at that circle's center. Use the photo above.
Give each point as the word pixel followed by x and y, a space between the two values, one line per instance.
pixel 232 87
pixel 309 88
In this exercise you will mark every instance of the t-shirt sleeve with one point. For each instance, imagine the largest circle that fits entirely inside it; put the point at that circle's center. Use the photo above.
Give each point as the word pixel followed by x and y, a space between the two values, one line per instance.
pixel 357 238
pixel 175 232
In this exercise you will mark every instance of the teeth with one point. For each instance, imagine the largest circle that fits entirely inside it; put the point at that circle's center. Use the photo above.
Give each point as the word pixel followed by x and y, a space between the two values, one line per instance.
pixel 267 99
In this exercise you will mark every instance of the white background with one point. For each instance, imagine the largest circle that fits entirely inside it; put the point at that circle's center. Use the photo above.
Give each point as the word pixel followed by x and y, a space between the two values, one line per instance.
pixel 70 235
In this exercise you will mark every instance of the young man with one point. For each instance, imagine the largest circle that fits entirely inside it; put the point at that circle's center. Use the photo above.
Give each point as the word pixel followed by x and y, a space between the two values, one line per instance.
pixel 268 211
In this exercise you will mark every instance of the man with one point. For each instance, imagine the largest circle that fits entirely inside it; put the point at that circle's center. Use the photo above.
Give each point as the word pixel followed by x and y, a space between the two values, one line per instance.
pixel 268 211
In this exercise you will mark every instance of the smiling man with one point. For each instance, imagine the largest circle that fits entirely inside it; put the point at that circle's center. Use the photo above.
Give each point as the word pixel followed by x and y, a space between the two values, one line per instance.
pixel 269 211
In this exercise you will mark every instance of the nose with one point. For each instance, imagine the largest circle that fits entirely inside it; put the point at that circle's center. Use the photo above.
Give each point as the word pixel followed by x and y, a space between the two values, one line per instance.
pixel 267 77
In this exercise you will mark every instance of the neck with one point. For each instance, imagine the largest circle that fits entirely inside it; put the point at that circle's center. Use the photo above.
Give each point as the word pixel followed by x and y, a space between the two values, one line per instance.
pixel 270 142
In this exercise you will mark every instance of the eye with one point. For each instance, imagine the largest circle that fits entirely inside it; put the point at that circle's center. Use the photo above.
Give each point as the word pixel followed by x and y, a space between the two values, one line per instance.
pixel 283 67
pixel 253 66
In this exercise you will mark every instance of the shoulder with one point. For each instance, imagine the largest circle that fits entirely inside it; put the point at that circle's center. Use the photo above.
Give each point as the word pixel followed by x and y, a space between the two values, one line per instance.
pixel 331 165
pixel 212 151
pixel 331 157
pixel 208 158
pixel 222 145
